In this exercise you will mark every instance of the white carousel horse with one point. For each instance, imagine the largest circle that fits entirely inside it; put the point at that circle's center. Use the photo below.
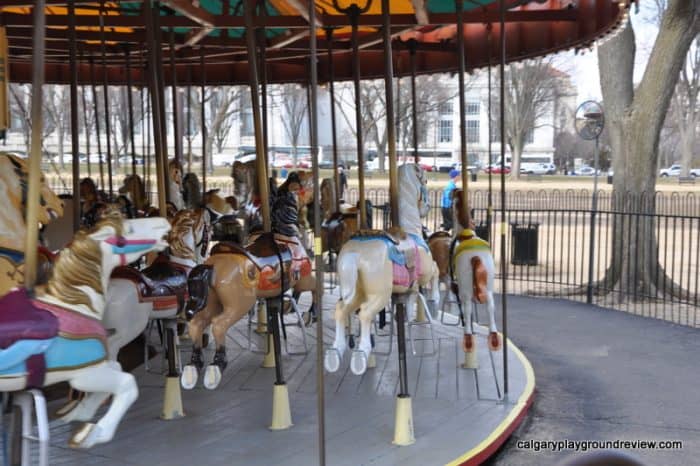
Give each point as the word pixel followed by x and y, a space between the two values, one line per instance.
pixel 57 337
pixel 134 297
pixel 14 179
pixel 374 265
pixel 474 272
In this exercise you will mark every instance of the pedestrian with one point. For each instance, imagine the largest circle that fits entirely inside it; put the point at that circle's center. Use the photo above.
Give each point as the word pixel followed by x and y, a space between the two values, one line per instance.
pixel 447 219
pixel 343 179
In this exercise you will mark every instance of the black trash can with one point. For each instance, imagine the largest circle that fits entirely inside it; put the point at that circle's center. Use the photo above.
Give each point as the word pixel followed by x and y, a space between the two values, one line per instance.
pixel 610 179
pixel 472 176
pixel 524 243
pixel 482 231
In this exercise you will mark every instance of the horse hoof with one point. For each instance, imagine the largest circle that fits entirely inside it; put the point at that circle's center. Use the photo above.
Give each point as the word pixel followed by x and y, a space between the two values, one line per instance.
pixel 212 377
pixel 494 341
pixel 332 360
pixel 188 379
pixel 85 437
pixel 358 362
pixel 468 343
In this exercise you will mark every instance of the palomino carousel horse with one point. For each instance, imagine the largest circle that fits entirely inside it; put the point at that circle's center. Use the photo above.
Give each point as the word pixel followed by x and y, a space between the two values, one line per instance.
pixel 474 272
pixel 57 337
pixel 158 292
pixel 14 178
pixel 229 283
pixel 373 265
pixel 337 227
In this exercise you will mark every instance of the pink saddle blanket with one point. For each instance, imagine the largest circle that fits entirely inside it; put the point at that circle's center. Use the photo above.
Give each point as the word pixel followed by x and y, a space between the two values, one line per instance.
pixel 404 276
pixel 73 323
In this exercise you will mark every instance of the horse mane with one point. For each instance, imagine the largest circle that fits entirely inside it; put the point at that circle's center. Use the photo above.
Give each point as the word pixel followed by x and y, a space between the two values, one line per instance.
pixel 80 265
pixel 245 183
pixel 183 222
pixel 191 190
pixel 461 215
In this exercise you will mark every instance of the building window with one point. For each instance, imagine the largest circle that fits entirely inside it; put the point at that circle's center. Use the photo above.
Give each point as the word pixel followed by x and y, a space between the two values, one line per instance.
pixel 473 108
pixel 445 108
pixel 473 131
pixel 445 131
pixel 247 127
pixel 530 136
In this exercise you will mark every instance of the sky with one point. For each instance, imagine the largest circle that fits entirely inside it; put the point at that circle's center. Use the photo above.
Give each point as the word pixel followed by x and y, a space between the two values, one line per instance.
pixel 584 67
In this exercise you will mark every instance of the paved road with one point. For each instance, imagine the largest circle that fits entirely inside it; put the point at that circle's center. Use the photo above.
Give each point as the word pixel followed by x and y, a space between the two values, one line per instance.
pixel 606 375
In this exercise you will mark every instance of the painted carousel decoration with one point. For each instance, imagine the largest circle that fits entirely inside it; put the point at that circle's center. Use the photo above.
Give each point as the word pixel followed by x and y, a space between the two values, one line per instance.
pixel 13 228
pixel 58 337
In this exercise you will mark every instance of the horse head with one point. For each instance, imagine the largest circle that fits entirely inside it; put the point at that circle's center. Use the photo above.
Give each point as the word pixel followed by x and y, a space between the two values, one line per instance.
pixel 14 177
pixel 413 197
pixel 82 270
pixel 189 236
pixel 328 197
pixel 244 182
pixel 461 215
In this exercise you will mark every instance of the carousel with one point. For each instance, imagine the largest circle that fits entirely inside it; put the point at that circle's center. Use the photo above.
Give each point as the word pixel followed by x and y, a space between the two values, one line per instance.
pixel 264 358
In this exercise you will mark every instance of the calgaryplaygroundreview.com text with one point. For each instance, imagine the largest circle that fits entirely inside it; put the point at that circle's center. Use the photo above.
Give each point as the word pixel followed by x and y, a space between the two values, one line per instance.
pixel 586 445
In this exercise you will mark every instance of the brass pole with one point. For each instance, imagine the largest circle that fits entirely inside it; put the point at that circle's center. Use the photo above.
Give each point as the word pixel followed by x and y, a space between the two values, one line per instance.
pixel 105 91
pixel 130 104
pixel 489 210
pixel 96 115
pixel 189 118
pixel 334 135
pixel 390 119
pixel 354 14
pixel 202 70
pixel 263 91
pixel 504 262
pixel 158 49
pixel 462 109
pixel 176 107
pixel 74 127
pixel 33 192
pixel 249 10
pixel 155 104
pixel 87 127
pixel 318 299
pixel 414 99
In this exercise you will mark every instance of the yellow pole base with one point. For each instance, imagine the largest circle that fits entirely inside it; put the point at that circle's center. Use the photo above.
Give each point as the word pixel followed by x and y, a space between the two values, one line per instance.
pixel 371 361
pixel 172 400
pixel 471 361
pixel 403 422
pixel 269 360
pixel 281 412
pixel 262 319
pixel 420 311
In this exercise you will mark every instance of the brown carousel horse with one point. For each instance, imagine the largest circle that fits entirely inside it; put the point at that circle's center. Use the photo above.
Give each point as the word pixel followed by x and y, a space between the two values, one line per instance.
pixel 229 283
pixel 14 183
pixel 337 226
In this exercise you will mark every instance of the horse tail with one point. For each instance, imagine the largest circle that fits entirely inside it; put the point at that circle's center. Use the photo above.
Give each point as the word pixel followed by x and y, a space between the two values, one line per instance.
pixel 198 283
pixel 347 275
pixel 480 280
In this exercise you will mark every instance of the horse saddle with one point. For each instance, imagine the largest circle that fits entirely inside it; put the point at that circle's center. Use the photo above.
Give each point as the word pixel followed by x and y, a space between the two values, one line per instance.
pixel 26 332
pixel 392 237
pixel 164 283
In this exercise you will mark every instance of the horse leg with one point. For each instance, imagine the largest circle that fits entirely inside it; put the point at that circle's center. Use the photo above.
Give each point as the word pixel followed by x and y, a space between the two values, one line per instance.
pixel 368 311
pixel 306 283
pixel 104 379
pixel 220 325
pixel 190 373
pixel 85 408
pixel 494 339
pixel 335 353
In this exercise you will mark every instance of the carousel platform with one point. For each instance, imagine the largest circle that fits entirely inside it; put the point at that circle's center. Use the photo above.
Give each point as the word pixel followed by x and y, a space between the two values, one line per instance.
pixel 460 415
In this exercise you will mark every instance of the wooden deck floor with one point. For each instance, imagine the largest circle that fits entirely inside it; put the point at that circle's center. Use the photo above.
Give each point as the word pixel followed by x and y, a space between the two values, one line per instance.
pixel 454 409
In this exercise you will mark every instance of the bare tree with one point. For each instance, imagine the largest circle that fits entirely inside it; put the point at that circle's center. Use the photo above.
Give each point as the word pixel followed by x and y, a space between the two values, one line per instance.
pixel 531 90
pixel 294 103
pixel 22 95
pixel 635 117
pixel 685 107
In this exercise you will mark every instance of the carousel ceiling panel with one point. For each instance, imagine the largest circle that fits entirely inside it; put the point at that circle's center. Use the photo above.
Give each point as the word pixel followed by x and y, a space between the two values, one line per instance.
pixel 216 29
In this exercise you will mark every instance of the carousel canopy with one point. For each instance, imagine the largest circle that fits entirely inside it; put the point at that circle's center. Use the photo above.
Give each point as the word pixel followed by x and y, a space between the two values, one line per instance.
pixel 215 30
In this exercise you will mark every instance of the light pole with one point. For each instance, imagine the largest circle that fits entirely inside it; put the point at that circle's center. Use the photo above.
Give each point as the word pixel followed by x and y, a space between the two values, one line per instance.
pixel 590 121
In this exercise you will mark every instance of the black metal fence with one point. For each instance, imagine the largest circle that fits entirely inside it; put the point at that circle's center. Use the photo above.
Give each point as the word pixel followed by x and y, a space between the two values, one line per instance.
pixel 646 249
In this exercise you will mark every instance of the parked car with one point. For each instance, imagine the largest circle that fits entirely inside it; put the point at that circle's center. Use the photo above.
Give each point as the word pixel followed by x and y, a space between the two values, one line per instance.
pixel 223 159
pixel 126 160
pixel 675 170
pixel 496 169
pixel 538 169
pixel 585 170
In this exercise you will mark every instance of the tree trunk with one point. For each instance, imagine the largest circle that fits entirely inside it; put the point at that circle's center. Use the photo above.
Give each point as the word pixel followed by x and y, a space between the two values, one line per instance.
pixel 516 150
pixel 635 120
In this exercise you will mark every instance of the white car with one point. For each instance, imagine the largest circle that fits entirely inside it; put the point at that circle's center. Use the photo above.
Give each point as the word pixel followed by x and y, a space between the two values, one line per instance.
pixel 538 169
pixel 675 170
pixel 585 170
